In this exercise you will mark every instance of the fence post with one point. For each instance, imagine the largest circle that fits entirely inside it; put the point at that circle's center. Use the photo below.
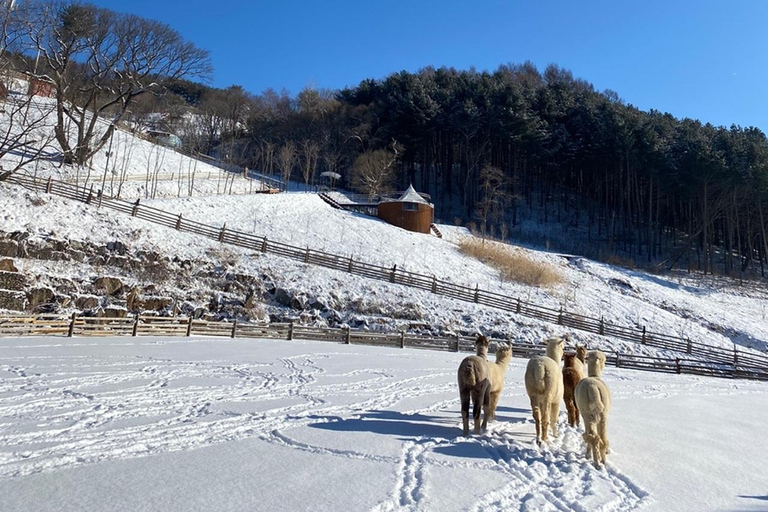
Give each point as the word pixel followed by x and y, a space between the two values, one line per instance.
pixel 264 245
pixel 518 308
pixel 71 330
pixel 642 340
pixel 221 233
pixel 290 331
pixel 601 329
pixel 560 316
pixel 189 327
pixel 458 340
pixel 392 274
pixel 688 347
pixel 477 291
pixel 48 186
pixel 349 267
pixel 178 223
pixel 135 209
pixel 402 339
pixel 434 284
pixel 306 256
pixel 735 355
pixel 348 336
pixel 234 329
pixel 677 364
pixel 618 363
pixel 135 329
pixel 100 194
pixel 90 196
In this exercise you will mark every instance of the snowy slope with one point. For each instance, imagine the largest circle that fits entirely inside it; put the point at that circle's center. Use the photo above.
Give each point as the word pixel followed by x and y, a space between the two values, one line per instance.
pixel 198 424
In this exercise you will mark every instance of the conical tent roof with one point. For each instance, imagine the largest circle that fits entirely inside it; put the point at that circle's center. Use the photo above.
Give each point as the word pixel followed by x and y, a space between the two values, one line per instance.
pixel 411 196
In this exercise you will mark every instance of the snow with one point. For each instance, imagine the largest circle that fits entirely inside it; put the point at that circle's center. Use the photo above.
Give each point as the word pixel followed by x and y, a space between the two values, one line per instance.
pixel 222 424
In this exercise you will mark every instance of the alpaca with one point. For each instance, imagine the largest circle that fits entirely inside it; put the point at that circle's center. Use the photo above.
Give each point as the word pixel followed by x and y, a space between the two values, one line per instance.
pixel 474 383
pixel 581 354
pixel 481 347
pixel 497 372
pixel 594 401
pixel 573 372
pixel 544 385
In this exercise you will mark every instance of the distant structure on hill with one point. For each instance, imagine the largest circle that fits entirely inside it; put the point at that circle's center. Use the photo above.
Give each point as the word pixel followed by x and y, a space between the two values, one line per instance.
pixel 164 138
pixel 410 211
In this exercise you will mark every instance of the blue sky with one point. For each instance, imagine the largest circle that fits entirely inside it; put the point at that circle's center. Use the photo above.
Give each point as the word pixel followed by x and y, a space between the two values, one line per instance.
pixel 701 59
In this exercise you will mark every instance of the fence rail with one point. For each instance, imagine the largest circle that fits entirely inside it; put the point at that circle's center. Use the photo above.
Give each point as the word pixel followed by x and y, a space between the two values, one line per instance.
pixel 74 325
pixel 394 275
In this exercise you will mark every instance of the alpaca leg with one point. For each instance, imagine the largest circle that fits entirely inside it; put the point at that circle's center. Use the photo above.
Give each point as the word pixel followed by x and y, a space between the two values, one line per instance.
pixel 477 404
pixel 494 403
pixel 603 438
pixel 589 441
pixel 545 409
pixel 464 396
pixel 576 414
pixel 570 406
pixel 536 410
pixel 486 405
pixel 554 412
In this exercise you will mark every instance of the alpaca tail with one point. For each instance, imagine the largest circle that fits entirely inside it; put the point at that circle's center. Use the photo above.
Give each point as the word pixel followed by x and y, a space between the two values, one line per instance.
pixel 596 404
pixel 538 378
pixel 470 379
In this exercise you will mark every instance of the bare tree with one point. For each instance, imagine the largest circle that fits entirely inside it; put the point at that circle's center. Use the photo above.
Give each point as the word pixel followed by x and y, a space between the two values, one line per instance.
pixel 100 61
pixel 373 172
pixel 25 131
pixel 308 163
pixel 287 158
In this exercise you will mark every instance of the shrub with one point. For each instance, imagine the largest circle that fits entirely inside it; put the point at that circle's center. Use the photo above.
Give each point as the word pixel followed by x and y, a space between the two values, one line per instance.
pixel 513 263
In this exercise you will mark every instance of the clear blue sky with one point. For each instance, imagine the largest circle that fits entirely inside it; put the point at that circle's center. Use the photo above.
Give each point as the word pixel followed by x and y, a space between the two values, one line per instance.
pixel 704 59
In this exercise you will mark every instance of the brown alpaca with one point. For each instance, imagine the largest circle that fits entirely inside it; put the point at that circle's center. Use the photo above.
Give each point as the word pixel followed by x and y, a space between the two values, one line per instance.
pixel 573 372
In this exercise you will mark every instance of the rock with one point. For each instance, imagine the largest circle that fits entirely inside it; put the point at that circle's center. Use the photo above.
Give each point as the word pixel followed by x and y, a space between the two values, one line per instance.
pixel 6 265
pixel 12 281
pixel 19 236
pixel 87 302
pixel 154 303
pixel 113 311
pixel 117 247
pixel 13 300
pixel 97 261
pixel 111 285
pixel 283 297
pixel 37 297
pixel 9 248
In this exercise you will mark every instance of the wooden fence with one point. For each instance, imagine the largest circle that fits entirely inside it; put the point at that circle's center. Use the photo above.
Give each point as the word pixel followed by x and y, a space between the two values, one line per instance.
pixel 53 325
pixel 716 354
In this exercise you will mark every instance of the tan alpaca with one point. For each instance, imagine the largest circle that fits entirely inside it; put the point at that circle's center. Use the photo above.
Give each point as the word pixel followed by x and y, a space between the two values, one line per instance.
pixel 573 372
pixel 474 383
pixel 544 385
pixel 497 371
pixel 481 347
pixel 594 401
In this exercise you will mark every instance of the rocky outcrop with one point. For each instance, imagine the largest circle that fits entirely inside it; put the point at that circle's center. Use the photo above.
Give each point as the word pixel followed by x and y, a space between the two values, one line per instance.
pixel 13 281
pixel 37 297
pixel 7 265
pixel 109 284
pixel 13 300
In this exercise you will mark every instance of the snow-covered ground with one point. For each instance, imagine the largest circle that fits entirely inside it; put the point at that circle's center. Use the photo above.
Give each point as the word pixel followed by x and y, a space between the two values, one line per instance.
pixel 220 424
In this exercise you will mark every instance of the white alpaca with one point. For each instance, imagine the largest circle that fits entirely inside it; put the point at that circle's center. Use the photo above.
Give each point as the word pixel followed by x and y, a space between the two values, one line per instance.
pixel 496 372
pixel 544 385
pixel 594 401
pixel 474 382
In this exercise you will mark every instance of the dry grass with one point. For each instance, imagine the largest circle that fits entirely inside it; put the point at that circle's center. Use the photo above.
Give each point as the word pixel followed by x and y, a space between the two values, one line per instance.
pixel 513 264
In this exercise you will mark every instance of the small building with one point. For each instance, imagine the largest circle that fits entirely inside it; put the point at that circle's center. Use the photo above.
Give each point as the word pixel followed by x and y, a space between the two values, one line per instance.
pixel 41 86
pixel 164 138
pixel 410 211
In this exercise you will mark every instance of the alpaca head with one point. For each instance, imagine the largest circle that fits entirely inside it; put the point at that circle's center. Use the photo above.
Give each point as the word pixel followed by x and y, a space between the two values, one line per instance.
pixel 481 345
pixel 569 361
pixel 581 353
pixel 555 348
pixel 595 363
pixel 503 354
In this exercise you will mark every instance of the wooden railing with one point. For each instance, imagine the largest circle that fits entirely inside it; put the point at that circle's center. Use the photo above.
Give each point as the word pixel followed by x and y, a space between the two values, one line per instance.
pixel 716 354
pixel 58 325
